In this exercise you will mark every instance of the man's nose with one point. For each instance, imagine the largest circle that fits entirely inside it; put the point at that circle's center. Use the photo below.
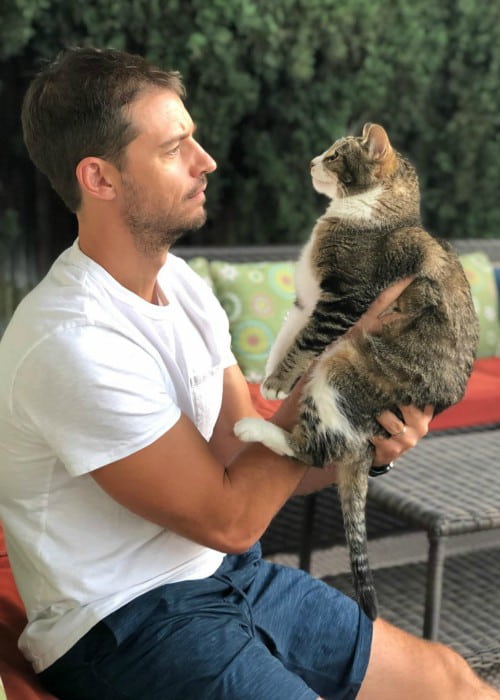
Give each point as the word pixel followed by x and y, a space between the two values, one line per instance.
pixel 204 161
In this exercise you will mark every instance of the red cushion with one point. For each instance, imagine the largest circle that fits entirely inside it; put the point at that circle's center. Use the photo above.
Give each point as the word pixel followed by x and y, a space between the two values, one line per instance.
pixel 18 677
pixel 265 407
pixel 480 405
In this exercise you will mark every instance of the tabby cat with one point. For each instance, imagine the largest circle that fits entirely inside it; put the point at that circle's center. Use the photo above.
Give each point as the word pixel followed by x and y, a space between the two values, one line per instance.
pixel 369 237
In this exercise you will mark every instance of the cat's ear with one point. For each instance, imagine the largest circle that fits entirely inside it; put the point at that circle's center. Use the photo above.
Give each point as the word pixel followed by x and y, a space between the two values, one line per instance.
pixel 375 137
pixel 366 129
pixel 379 147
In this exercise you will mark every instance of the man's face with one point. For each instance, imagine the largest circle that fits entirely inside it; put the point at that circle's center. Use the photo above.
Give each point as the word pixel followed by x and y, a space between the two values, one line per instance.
pixel 163 177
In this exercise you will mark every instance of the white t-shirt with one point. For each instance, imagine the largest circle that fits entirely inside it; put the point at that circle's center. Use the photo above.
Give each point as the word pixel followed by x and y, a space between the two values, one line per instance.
pixel 91 373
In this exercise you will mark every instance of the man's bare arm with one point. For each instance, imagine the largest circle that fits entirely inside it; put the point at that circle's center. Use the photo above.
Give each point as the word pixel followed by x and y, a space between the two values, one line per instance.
pixel 179 483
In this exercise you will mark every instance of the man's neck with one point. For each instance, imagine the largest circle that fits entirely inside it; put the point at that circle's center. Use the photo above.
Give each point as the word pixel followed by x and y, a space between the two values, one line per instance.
pixel 116 252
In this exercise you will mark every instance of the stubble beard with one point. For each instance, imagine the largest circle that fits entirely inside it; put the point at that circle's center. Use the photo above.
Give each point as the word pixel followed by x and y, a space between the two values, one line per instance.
pixel 154 231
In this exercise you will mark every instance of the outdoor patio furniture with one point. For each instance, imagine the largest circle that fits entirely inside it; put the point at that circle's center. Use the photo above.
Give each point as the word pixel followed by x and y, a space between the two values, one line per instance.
pixel 448 485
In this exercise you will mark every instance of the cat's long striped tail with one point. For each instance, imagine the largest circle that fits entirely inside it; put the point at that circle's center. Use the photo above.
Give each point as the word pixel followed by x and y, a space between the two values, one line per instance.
pixel 353 487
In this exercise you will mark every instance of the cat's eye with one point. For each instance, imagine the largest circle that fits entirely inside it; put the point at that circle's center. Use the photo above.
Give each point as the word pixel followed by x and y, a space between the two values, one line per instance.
pixel 331 158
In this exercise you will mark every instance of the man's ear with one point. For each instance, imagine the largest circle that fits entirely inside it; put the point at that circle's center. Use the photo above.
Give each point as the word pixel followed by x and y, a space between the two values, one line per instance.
pixel 96 177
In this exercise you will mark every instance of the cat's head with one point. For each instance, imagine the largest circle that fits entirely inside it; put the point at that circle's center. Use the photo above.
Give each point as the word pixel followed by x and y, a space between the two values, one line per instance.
pixel 357 164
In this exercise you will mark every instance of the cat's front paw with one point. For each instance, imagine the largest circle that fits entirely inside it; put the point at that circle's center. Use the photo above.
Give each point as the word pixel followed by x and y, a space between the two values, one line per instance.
pixel 249 429
pixel 259 430
pixel 272 388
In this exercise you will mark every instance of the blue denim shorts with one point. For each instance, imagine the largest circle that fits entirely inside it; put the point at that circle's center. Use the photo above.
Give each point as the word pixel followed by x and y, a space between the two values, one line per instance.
pixel 252 631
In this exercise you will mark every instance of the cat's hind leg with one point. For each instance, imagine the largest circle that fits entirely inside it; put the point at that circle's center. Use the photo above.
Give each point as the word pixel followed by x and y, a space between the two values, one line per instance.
pixel 327 407
pixel 336 431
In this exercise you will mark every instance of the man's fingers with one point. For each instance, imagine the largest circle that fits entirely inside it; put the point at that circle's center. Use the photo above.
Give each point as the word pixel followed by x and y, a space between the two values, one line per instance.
pixel 371 320
pixel 404 433
pixel 390 422
pixel 418 419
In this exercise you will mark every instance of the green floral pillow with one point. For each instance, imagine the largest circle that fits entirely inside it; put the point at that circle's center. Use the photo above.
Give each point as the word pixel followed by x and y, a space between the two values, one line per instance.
pixel 256 297
pixel 481 276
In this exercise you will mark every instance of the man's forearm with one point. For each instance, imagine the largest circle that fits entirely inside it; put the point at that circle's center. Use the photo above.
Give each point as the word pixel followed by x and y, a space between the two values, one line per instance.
pixel 316 479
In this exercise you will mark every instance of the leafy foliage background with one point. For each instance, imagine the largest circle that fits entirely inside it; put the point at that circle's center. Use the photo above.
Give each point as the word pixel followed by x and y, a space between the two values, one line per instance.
pixel 272 84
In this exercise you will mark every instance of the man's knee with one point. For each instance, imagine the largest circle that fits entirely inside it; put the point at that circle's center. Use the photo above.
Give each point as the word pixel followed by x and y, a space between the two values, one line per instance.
pixel 455 668
pixel 402 665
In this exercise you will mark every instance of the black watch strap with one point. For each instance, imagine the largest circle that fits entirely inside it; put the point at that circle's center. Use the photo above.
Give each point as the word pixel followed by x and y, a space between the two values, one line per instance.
pixel 380 471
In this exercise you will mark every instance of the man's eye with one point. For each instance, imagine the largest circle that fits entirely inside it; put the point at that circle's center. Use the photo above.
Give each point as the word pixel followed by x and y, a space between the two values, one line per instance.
pixel 174 151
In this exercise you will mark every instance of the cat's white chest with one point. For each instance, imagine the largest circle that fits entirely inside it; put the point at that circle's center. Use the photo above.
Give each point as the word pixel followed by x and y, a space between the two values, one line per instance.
pixel 307 292
pixel 306 283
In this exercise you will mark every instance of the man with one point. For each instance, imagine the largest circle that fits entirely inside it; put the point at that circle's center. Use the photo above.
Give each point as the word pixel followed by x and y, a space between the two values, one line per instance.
pixel 131 511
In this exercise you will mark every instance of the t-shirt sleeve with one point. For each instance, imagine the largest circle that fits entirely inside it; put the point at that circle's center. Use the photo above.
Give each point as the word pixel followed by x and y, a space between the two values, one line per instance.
pixel 94 395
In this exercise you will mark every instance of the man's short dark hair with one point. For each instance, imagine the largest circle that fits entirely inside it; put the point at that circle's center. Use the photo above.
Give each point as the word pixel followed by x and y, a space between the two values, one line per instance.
pixel 77 107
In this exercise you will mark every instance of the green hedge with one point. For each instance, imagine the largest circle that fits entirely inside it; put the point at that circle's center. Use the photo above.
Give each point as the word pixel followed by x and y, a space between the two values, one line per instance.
pixel 271 84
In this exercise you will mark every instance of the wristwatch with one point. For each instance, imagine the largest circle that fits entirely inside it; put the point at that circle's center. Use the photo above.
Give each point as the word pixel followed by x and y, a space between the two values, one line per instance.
pixel 380 471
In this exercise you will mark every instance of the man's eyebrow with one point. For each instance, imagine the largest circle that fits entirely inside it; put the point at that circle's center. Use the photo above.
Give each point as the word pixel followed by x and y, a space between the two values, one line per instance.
pixel 184 134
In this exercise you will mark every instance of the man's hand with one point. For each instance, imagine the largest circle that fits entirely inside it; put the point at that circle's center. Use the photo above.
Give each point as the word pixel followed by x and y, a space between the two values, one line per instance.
pixel 403 435
pixel 381 310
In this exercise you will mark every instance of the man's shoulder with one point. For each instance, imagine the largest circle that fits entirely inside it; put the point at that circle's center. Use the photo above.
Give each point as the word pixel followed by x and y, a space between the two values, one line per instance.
pixel 62 315
pixel 47 308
